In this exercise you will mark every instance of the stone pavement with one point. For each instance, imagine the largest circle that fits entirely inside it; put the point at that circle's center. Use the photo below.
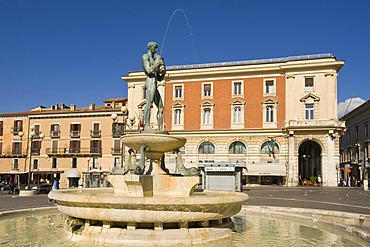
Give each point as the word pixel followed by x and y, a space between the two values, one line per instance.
pixel 345 199
pixel 352 200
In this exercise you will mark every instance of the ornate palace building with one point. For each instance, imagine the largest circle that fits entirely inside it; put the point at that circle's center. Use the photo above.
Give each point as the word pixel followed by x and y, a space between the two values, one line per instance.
pixel 277 116
pixel 77 146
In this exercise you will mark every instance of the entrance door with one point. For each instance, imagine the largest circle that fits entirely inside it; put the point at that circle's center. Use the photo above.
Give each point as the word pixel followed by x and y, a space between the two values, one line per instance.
pixel 309 160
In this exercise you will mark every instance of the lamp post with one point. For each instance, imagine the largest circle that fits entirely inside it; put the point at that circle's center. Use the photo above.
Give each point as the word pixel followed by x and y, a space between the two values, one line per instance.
pixel 87 182
pixel 131 119
pixel 32 136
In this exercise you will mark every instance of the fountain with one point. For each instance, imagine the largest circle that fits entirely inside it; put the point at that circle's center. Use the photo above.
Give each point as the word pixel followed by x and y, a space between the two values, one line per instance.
pixel 149 206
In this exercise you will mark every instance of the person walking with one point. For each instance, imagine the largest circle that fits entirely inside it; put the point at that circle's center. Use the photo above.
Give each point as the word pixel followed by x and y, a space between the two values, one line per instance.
pixel 319 181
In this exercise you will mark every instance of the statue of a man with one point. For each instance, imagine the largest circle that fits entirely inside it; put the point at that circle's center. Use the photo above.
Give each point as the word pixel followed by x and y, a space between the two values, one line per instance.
pixel 155 70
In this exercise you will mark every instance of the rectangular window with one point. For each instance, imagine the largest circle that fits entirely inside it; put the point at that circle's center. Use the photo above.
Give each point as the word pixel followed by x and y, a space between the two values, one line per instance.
pixel 237 114
pixel 1 128
pixel 54 130
pixel 15 164
pixel 356 133
pixel 74 146
pixel 269 114
pixel 348 137
pixel 207 116
pixel 75 130
pixel 237 88
pixel 116 162
pixel 177 117
pixel 95 132
pixel 178 91
pixel 35 147
pixel 17 148
pixel 1 148
pixel 308 84
pixel 74 162
pixel 18 126
pixel 309 111
pixel 95 146
pixel 95 163
pixel 207 90
pixel 269 86
pixel 366 130
pixel 54 147
pixel 54 162
pixel 116 147
pixel 35 164
pixel 37 130
pixel 117 129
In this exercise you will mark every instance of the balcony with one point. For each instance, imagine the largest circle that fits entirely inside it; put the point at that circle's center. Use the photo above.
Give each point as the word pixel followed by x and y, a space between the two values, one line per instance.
pixel 116 151
pixel 326 123
pixel 35 151
pixel 12 154
pixel 75 133
pixel 70 152
pixel 95 133
pixel 55 134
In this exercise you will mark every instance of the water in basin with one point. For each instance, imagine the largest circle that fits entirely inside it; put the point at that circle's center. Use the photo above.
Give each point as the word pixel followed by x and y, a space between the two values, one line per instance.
pixel 45 228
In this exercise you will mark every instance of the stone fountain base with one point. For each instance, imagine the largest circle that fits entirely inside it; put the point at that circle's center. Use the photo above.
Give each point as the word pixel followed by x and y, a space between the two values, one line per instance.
pixel 159 210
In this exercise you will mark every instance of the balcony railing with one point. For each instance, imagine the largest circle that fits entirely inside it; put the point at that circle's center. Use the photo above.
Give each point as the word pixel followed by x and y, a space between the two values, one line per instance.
pixel 35 151
pixel 116 151
pixel 12 154
pixel 75 133
pixel 74 151
pixel 316 123
pixel 55 134
pixel 95 133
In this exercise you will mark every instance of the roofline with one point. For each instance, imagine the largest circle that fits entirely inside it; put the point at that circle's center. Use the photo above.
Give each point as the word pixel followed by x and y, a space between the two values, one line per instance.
pixel 249 62
pixel 356 110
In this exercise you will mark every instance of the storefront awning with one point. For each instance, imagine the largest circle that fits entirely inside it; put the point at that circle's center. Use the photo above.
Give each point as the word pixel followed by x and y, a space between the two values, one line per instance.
pixel 12 173
pixel 47 172
pixel 73 173
pixel 266 169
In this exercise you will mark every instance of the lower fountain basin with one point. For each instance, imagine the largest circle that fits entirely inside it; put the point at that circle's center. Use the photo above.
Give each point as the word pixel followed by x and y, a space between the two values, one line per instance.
pixel 103 205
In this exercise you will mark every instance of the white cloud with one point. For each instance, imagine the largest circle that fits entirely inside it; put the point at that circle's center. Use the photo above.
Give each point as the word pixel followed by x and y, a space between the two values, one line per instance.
pixel 348 105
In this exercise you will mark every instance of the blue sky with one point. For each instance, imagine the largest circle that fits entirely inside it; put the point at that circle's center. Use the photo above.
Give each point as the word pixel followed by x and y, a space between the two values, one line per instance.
pixel 75 51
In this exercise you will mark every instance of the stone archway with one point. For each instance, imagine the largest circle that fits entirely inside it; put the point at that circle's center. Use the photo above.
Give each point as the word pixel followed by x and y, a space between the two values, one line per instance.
pixel 309 160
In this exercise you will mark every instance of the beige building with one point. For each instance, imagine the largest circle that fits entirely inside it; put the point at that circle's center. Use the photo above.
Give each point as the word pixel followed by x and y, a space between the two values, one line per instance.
pixel 278 116
pixel 78 146
pixel 354 147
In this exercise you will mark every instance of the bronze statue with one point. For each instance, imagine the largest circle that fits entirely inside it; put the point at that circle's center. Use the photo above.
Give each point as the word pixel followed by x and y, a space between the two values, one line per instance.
pixel 155 70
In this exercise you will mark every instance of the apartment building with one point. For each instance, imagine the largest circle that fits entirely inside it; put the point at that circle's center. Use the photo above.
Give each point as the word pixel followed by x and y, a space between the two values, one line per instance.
pixel 354 146
pixel 77 146
pixel 277 116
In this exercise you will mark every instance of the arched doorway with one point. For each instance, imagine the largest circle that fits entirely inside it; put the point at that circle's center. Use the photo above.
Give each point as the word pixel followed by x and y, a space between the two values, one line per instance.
pixel 309 160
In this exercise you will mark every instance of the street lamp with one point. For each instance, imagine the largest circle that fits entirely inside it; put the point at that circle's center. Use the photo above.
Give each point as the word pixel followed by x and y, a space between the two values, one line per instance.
pixel 87 182
pixel 32 136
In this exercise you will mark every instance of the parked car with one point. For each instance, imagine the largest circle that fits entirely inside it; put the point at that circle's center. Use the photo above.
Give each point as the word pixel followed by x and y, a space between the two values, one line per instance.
pixel 42 188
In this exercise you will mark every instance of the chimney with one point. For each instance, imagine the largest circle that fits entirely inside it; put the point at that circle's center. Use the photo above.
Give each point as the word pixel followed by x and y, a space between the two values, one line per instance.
pixel 54 107
pixel 92 106
pixel 72 107
pixel 62 106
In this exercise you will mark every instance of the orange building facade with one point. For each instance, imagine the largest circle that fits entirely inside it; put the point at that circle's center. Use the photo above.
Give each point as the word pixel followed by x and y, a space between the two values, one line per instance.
pixel 276 116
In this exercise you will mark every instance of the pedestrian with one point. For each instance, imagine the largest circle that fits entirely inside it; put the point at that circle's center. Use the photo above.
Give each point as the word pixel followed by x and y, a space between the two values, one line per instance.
pixel 319 181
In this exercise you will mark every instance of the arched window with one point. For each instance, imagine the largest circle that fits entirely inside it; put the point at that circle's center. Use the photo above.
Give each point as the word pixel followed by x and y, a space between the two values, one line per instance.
pixel 237 147
pixel 206 148
pixel 270 147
